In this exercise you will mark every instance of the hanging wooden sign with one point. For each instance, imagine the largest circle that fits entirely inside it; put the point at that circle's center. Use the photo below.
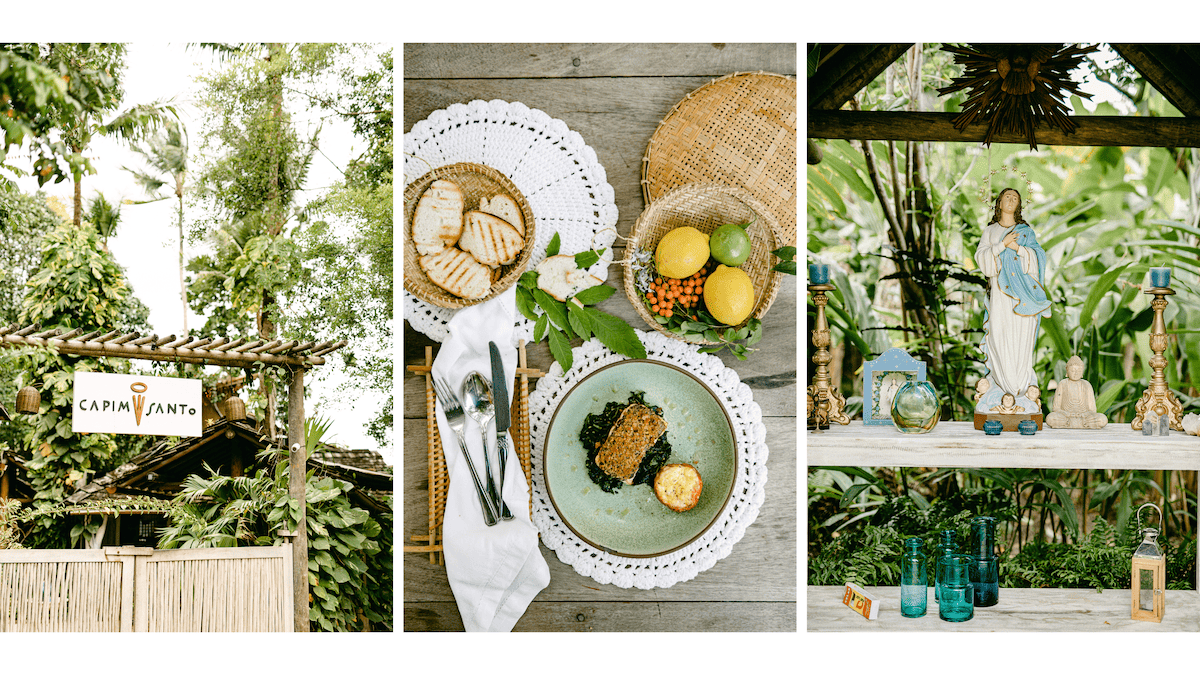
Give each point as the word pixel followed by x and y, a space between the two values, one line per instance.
pixel 114 403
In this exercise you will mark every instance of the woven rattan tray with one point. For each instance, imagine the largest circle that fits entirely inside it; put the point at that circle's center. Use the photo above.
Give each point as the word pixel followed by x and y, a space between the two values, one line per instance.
pixel 439 479
pixel 738 130
pixel 477 182
pixel 706 207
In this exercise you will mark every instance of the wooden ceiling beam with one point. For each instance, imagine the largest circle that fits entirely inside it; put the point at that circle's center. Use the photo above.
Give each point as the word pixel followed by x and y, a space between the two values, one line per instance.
pixel 1166 75
pixel 853 67
pixel 1099 131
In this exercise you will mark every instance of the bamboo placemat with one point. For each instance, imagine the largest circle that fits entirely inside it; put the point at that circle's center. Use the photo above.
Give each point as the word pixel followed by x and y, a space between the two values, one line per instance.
pixel 439 478
pixel 738 130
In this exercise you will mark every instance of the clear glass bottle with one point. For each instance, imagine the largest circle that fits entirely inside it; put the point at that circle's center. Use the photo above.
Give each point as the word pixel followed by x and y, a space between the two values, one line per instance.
pixel 985 566
pixel 958 593
pixel 945 547
pixel 914 581
pixel 916 408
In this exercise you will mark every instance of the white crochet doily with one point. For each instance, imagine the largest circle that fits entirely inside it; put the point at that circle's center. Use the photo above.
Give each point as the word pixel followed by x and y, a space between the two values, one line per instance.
pixel 557 173
pixel 748 488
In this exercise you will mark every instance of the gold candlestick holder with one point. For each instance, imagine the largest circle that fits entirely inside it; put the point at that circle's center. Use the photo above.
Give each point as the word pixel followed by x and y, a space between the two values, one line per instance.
pixel 1158 396
pixel 828 403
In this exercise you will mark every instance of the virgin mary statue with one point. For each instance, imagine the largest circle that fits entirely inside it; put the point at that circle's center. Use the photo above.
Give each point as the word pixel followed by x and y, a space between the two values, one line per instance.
pixel 1015 265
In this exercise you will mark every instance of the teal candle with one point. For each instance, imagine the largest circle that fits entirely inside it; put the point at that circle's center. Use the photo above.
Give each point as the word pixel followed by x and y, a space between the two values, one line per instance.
pixel 818 273
pixel 1160 277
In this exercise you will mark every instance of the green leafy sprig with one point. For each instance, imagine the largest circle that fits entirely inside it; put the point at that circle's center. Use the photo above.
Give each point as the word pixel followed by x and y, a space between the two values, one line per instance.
pixel 787 254
pixel 562 321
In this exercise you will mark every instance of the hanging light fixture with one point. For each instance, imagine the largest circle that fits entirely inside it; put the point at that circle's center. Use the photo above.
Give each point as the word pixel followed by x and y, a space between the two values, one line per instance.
pixel 235 409
pixel 29 401
pixel 1149 582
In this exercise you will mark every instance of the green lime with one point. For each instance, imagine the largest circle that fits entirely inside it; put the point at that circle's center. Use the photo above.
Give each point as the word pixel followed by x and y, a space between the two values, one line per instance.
pixel 730 245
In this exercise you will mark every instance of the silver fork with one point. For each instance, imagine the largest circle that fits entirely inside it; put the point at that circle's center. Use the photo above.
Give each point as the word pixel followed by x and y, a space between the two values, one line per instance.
pixel 457 420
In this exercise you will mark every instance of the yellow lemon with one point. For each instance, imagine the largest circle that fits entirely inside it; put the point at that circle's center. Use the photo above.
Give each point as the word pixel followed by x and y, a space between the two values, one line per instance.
pixel 729 295
pixel 681 252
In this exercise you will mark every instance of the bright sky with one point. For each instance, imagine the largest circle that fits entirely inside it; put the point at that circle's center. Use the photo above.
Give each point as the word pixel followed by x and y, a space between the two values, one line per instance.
pixel 147 241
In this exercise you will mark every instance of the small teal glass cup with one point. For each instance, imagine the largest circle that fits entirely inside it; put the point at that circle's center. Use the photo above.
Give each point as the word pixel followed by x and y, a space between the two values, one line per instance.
pixel 993 427
pixel 1160 277
pixel 956 601
pixel 1027 427
pixel 818 273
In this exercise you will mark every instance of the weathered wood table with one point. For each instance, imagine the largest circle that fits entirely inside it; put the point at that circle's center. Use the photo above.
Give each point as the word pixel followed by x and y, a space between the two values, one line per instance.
pixel 614 96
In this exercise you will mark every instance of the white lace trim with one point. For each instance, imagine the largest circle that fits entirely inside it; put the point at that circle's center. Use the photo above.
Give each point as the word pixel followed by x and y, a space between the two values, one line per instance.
pixel 749 486
pixel 557 172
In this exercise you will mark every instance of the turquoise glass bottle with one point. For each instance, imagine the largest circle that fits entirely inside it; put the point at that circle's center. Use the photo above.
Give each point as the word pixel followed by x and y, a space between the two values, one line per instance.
pixel 958 596
pixel 945 547
pixel 914 580
pixel 985 566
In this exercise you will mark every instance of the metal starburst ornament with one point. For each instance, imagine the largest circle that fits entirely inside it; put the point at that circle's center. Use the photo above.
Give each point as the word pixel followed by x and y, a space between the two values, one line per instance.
pixel 1013 87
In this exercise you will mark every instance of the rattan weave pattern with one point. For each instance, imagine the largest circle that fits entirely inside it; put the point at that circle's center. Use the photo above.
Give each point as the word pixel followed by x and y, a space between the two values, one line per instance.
pixel 477 182
pixel 738 130
pixel 706 207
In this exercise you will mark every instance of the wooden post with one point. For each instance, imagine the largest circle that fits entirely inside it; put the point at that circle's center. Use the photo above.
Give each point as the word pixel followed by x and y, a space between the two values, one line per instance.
pixel 297 462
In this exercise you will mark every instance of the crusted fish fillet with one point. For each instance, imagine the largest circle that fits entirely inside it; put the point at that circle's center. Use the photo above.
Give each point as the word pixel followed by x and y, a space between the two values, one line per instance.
pixel 637 429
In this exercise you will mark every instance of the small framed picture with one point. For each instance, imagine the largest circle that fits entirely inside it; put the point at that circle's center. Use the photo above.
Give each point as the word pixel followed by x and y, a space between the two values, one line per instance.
pixel 882 378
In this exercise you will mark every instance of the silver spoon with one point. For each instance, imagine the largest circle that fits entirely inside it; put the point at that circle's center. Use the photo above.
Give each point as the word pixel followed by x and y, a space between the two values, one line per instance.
pixel 477 400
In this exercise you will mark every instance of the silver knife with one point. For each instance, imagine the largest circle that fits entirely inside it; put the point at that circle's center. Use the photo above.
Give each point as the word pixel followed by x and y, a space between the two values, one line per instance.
pixel 503 419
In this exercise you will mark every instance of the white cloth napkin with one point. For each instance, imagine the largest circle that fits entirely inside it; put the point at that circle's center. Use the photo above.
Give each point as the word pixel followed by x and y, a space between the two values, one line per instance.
pixel 495 572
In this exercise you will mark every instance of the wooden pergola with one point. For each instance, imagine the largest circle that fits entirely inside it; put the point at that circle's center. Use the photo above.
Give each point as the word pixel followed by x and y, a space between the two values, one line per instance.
pixel 845 69
pixel 291 355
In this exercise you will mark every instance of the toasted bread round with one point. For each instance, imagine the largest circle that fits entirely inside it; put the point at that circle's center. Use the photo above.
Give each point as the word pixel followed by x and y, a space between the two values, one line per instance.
pixel 458 273
pixel 438 218
pixel 491 240
pixel 678 486
pixel 559 276
pixel 505 207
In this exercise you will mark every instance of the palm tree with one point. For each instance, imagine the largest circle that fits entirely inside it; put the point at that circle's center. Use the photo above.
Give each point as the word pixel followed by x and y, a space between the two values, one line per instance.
pixel 104 216
pixel 165 154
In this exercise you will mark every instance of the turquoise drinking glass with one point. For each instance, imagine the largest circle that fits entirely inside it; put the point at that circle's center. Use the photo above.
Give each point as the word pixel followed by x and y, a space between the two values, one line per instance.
pixel 958 598
pixel 985 566
pixel 945 547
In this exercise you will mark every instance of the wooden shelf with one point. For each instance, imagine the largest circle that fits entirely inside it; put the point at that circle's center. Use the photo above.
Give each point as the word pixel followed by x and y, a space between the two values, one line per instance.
pixel 959 445
pixel 1019 609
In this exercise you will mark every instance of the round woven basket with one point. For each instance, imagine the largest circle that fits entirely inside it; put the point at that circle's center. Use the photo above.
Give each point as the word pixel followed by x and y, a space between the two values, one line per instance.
pixel 476 182
pixel 706 207
pixel 737 130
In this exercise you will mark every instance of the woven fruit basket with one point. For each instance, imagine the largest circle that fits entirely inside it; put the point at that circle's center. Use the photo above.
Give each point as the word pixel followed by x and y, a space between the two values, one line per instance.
pixel 477 182
pixel 705 207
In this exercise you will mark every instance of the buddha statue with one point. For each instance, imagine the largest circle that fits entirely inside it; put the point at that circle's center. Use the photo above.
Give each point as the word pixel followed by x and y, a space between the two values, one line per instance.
pixel 1074 404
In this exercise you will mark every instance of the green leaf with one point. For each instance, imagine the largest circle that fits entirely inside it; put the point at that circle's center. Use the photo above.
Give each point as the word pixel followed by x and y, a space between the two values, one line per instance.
pixel 595 294
pixel 556 310
pixel 615 334
pixel 1088 314
pixel 525 303
pixel 560 348
pixel 786 267
pixel 539 328
pixel 785 252
pixel 579 320
pixel 552 248
pixel 1109 393
pixel 586 259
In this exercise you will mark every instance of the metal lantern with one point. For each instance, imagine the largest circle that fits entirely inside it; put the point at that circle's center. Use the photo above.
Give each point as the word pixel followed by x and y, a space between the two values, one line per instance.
pixel 29 401
pixel 235 409
pixel 1149 581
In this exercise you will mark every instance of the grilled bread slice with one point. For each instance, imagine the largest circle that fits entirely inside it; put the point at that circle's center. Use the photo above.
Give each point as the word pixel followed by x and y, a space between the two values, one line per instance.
pixel 678 487
pixel 491 240
pixel 636 430
pixel 505 207
pixel 559 276
pixel 438 218
pixel 458 273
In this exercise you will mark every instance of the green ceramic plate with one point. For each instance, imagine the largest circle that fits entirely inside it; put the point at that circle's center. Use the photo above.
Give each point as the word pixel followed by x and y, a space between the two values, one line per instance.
pixel 632 522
